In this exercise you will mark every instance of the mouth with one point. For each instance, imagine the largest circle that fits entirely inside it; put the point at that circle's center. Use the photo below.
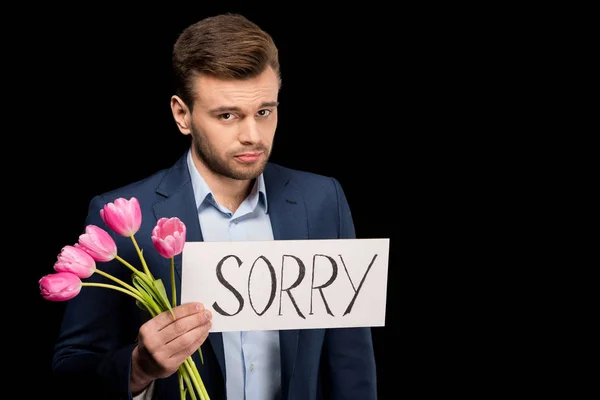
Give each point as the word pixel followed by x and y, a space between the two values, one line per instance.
pixel 248 158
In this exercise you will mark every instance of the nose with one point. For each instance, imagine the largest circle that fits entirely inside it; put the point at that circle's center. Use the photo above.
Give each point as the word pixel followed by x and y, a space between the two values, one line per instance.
pixel 250 132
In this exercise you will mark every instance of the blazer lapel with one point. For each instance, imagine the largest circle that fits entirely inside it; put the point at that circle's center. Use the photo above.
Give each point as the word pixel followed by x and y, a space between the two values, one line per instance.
pixel 286 207
pixel 179 202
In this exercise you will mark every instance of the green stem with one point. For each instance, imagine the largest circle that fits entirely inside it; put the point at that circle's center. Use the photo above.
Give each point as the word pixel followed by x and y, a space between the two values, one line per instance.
pixel 174 297
pixel 197 373
pixel 109 276
pixel 145 277
pixel 195 377
pixel 201 356
pixel 173 289
pixel 186 378
pixel 141 255
pixel 104 285
pixel 181 385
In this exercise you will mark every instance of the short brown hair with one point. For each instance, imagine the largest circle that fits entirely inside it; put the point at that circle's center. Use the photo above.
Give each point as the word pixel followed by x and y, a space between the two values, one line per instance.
pixel 227 46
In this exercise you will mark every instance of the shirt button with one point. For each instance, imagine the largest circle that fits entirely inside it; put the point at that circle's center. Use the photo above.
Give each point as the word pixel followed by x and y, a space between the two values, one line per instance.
pixel 252 367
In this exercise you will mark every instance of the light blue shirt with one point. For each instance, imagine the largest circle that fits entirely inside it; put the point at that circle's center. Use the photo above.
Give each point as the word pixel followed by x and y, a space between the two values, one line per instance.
pixel 252 358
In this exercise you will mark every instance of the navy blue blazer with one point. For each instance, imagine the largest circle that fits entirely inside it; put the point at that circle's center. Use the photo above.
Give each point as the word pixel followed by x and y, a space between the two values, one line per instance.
pixel 100 326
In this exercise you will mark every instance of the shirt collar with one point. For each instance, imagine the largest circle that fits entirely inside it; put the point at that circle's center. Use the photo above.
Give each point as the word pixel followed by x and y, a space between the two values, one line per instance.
pixel 203 193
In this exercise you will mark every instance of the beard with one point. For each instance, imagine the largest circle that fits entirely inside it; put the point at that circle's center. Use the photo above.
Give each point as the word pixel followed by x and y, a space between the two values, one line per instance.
pixel 227 166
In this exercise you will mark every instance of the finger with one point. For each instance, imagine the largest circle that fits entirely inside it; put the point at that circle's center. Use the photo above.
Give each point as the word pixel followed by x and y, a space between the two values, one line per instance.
pixel 185 345
pixel 181 326
pixel 165 318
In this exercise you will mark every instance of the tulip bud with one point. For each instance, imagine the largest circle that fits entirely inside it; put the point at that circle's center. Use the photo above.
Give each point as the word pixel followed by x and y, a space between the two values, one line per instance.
pixel 168 236
pixel 97 243
pixel 60 286
pixel 123 216
pixel 75 260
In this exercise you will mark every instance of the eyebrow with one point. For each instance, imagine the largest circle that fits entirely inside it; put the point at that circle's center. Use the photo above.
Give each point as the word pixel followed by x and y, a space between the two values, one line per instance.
pixel 223 109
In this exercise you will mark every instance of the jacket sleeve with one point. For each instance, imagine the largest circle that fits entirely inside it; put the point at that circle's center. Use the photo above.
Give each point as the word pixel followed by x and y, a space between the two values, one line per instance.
pixel 349 351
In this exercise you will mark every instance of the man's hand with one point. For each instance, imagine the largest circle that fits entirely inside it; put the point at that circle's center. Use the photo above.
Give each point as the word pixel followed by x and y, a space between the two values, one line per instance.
pixel 166 341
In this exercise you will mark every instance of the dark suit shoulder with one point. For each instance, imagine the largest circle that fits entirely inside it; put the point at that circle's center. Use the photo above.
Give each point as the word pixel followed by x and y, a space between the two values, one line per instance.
pixel 299 176
pixel 137 188
pixel 142 189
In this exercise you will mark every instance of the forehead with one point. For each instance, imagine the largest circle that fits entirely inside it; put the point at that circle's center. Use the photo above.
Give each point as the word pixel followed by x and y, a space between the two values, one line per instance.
pixel 215 92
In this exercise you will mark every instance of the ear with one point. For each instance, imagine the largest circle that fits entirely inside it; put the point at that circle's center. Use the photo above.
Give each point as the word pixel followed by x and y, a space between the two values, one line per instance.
pixel 181 114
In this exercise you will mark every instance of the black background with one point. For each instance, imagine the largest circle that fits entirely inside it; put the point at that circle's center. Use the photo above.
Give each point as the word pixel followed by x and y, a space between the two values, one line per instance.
pixel 94 88
pixel 431 116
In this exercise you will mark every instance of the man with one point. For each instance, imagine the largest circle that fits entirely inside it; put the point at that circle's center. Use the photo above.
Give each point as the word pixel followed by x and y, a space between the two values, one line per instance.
pixel 224 188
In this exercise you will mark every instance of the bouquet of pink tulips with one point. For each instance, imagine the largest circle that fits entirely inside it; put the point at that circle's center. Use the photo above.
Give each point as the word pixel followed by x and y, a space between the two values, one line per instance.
pixel 78 262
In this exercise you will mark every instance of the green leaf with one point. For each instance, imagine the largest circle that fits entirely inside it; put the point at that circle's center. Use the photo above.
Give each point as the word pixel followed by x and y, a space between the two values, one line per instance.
pixel 140 305
pixel 148 294
pixel 160 288
pixel 156 291
pixel 140 285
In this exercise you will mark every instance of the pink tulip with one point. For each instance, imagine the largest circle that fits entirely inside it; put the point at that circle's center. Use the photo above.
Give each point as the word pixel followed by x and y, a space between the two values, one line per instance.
pixel 76 261
pixel 60 286
pixel 168 236
pixel 97 243
pixel 123 216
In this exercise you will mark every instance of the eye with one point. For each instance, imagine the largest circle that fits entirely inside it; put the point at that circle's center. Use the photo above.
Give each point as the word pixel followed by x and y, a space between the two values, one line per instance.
pixel 264 113
pixel 226 116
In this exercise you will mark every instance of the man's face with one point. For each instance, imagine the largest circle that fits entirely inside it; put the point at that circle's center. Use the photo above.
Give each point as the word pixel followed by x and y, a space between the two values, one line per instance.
pixel 233 124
